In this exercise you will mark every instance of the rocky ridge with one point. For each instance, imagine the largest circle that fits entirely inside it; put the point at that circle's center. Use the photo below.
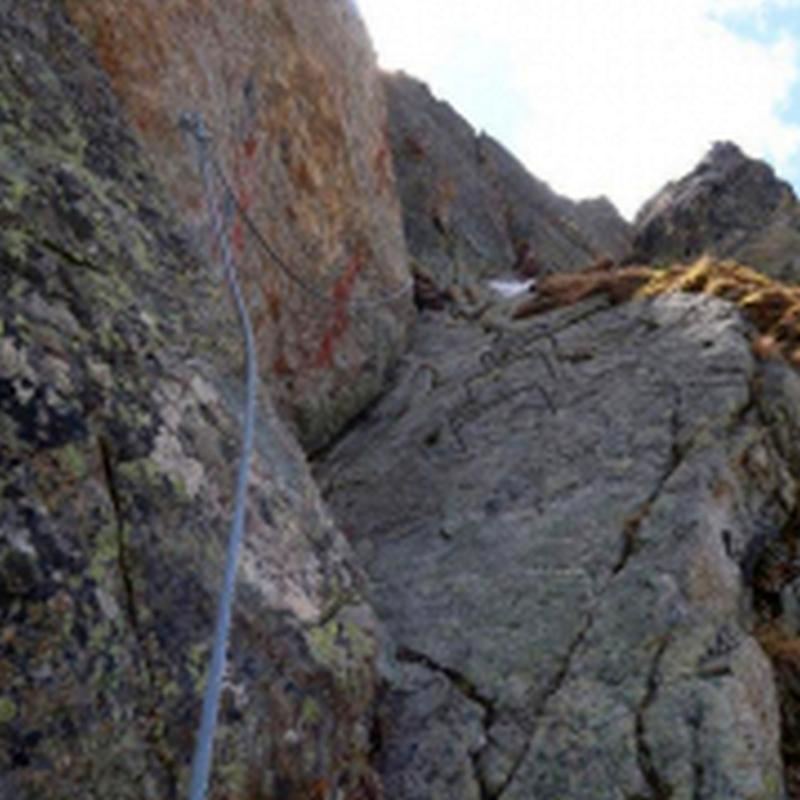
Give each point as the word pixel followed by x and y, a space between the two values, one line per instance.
pixel 729 206
pixel 472 210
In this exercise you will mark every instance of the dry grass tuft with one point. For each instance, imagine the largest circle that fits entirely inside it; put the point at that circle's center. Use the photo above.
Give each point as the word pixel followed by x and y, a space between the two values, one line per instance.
pixel 779 645
pixel 772 307
pixel 566 289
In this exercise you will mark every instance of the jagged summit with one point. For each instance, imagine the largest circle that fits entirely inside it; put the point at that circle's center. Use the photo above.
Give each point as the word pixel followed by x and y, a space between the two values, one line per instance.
pixel 715 169
pixel 723 154
pixel 469 203
pixel 729 205
pixel 601 219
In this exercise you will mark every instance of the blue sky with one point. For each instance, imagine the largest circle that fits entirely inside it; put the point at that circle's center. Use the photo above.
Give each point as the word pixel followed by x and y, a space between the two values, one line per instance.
pixel 601 96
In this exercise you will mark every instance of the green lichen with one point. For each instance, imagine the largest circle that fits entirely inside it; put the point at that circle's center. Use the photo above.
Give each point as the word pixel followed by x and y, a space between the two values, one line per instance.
pixel 310 713
pixel 196 663
pixel 323 642
pixel 773 785
pixel 72 461
pixel 15 243
pixel 135 417
pixel 179 485
pixel 361 642
pixel 346 649
pixel 105 555
pixel 141 253
pixel 15 186
pixel 142 472
pixel 8 710
pixel 171 691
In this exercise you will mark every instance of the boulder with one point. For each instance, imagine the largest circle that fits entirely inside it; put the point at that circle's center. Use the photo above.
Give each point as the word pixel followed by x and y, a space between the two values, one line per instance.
pixel 561 518
pixel 120 398
pixel 729 206
pixel 290 91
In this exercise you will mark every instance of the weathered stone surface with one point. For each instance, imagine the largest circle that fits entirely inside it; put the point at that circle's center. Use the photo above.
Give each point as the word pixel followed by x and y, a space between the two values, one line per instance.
pixel 471 209
pixel 290 90
pixel 729 205
pixel 560 521
pixel 453 220
pixel 557 229
pixel 599 218
pixel 776 575
pixel 580 528
pixel 119 401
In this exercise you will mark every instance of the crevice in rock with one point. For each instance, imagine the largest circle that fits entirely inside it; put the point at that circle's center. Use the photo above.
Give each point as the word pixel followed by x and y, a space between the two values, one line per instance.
pixel 633 523
pixel 792 459
pixel 124 556
pixel 553 689
pixel 462 684
pixel 457 679
pixel 152 729
pixel 520 346
pixel 659 788
pixel 70 256
pixel 472 409
pixel 698 767
pixel 327 615
pixel 630 532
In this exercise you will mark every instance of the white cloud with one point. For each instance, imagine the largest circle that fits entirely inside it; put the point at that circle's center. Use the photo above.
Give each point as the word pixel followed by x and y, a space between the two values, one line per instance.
pixel 601 97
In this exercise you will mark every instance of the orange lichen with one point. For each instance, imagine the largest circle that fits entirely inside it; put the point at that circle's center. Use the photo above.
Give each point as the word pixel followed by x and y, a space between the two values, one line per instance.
pixel 280 366
pixel 414 148
pixel 249 146
pixel 340 321
pixel 779 645
pixel 382 164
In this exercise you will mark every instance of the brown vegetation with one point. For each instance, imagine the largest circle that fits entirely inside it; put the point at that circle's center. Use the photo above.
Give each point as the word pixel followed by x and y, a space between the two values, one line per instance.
pixel 567 288
pixel 772 307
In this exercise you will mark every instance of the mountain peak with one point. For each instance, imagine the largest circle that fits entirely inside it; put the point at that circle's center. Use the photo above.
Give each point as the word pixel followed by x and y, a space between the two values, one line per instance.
pixel 723 153
pixel 730 205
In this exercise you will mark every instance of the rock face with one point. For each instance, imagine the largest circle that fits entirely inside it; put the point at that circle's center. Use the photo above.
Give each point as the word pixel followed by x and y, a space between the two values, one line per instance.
pixel 730 206
pixel 470 207
pixel 561 521
pixel 579 528
pixel 290 91
pixel 119 401
pixel 600 219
